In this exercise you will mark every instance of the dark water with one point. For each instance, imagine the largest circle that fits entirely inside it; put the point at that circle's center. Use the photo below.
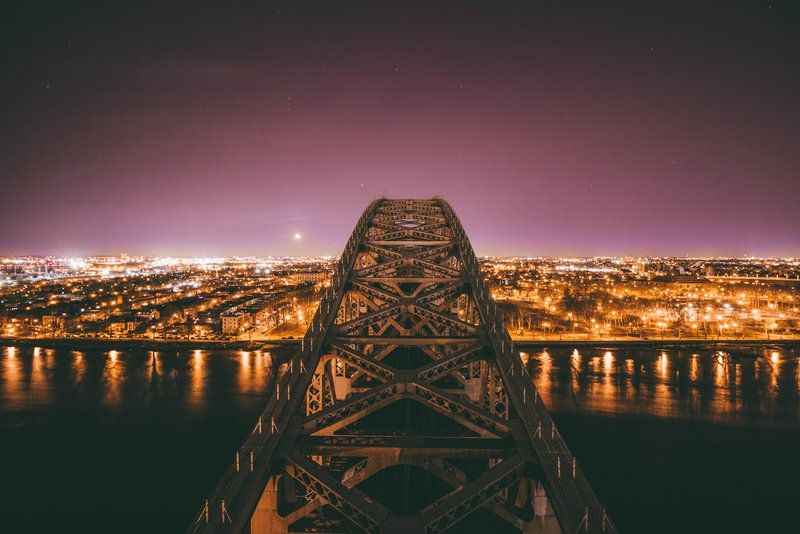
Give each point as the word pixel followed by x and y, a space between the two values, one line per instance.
pixel 132 441
pixel 127 442
pixel 680 441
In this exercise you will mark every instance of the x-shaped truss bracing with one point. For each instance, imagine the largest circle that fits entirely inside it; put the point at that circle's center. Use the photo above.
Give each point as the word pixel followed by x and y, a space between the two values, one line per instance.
pixel 405 363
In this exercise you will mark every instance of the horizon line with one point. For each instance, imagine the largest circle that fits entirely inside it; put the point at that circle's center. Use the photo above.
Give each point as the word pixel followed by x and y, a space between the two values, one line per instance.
pixel 335 256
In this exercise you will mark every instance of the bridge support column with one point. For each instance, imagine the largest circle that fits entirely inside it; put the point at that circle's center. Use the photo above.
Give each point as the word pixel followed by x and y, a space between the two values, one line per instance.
pixel 342 386
pixel 473 387
pixel 544 519
pixel 266 519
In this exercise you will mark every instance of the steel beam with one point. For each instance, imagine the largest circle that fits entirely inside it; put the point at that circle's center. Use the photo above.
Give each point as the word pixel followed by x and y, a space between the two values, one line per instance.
pixel 408 317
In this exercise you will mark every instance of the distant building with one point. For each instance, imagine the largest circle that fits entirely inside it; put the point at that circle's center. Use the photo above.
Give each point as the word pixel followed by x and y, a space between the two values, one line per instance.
pixel 149 315
pixel 310 277
pixel 231 322
pixel 123 325
pixel 53 322
pixel 94 315
pixel 261 310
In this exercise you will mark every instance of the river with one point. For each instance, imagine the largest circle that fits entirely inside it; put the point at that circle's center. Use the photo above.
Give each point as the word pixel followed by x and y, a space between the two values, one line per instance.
pixel 132 441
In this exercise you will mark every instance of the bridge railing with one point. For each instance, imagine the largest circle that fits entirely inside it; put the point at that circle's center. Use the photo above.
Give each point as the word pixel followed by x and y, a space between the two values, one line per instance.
pixel 575 503
pixel 231 502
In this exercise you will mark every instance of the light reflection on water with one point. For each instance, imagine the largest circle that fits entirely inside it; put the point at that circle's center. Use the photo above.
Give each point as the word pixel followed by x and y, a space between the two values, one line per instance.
pixel 174 417
pixel 713 386
pixel 132 429
pixel 35 378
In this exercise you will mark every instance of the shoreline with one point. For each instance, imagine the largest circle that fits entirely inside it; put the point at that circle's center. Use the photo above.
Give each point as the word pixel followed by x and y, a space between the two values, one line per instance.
pixel 521 343
pixel 129 344
pixel 705 344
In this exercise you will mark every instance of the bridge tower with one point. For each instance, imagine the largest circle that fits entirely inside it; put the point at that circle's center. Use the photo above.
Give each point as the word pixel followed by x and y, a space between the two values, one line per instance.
pixel 407 408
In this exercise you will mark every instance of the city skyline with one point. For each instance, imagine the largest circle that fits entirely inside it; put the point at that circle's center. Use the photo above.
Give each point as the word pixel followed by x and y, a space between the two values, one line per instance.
pixel 653 130
pixel 218 258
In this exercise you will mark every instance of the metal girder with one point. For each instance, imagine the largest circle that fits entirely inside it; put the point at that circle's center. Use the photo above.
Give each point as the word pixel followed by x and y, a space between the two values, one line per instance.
pixel 382 250
pixel 408 242
pixel 443 319
pixel 407 308
pixel 370 319
pixel 440 293
pixel 380 267
pixel 360 445
pixel 453 476
pixel 410 340
pixel 464 412
pixel 446 512
pixel 364 513
pixel 342 414
pixel 374 292
pixel 365 363
pixel 448 364
pixel 434 268
pixel 409 279
pixel 353 409
pixel 430 217
pixel 420 234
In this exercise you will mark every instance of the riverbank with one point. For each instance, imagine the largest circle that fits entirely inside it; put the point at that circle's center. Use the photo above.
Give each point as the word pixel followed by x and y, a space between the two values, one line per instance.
pixel 104 344
pixel 736 345
pixel 740 346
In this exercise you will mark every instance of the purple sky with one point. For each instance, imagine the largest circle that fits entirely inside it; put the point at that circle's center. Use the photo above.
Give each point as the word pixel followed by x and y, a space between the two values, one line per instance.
pixel 649 128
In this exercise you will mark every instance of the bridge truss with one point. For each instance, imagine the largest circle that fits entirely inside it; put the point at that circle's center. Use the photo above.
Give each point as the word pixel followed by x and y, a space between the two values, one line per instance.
pixel 407 408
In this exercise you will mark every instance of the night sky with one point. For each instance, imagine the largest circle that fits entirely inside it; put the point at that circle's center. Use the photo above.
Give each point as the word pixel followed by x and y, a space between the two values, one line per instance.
pixel 596 128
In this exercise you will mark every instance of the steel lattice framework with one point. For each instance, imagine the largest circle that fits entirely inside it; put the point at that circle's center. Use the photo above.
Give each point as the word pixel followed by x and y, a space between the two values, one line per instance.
pixel 408 318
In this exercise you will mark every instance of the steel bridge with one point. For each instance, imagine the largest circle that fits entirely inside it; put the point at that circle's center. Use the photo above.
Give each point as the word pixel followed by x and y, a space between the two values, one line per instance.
pixel 406 407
